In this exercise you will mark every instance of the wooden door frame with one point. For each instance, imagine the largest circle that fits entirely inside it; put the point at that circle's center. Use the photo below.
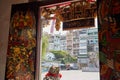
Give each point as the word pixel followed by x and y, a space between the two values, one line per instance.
pixel 43 3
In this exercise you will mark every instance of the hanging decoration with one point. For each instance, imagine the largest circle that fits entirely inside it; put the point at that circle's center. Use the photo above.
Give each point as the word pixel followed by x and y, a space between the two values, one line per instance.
pixel 69 11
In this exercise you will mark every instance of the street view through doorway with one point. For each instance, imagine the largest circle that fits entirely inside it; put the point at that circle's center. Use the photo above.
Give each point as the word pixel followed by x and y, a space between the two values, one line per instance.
pixel 70 40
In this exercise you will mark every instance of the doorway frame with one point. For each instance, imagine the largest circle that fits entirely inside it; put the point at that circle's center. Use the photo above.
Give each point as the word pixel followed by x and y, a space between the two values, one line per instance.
pixel 39 33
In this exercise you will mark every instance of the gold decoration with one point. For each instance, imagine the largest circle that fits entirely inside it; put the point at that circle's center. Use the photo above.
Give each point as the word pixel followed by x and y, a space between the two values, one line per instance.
pixel 68 11
pixel 57 25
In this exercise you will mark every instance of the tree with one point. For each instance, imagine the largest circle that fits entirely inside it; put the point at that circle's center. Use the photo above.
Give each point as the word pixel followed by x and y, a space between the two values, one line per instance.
pixel 63 56
pixel 45 43
pixel 70 59
pixel 59 54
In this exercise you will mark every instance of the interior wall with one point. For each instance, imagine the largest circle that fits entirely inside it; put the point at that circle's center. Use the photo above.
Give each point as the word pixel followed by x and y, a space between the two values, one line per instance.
pixel 5 11
pixel 109 39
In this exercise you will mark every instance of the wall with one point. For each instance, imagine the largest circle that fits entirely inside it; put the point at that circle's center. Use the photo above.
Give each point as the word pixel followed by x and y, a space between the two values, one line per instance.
pixel 109 39
pixel 5 11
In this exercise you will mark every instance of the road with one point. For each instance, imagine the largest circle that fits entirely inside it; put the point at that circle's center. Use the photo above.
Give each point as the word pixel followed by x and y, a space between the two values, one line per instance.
pixel 78 75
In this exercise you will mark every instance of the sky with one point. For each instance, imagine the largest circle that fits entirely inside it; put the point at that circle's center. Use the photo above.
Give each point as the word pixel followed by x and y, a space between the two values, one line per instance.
pixel 48 29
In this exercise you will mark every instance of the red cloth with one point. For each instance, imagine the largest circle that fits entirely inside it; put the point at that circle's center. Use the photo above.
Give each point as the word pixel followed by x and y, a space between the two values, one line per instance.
pixel 54 75
pixel 91 0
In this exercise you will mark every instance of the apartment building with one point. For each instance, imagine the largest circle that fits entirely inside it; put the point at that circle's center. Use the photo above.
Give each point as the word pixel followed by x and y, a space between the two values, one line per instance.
pixel 63 43
pixel 83 36
pixel 83 59
pixel 55 42
pixel 93 39
pixel 51 42
pixel 78 43
pixel 75 43
pixel 69 39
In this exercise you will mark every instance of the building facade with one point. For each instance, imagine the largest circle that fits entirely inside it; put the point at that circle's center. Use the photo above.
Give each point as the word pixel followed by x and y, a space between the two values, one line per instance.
pixel 80 43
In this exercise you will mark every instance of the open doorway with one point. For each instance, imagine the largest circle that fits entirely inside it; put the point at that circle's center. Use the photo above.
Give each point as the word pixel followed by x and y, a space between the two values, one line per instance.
pixel 70 40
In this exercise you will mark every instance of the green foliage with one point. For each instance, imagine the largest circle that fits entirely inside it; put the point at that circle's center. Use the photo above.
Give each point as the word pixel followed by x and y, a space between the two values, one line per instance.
pixel 63 56
pixel 59 54
pixel 70 59
pixel 45 43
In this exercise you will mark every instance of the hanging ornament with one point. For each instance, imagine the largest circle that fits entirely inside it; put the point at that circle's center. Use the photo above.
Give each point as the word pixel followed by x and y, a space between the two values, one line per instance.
pixel 58 18
pixel 58 14
pixel 45 13
pixel 57 25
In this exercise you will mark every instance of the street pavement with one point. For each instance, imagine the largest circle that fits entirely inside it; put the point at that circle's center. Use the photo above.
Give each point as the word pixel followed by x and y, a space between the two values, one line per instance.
pixel 77 75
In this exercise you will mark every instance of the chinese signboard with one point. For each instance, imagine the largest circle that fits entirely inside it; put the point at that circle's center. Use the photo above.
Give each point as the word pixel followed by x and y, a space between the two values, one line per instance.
pixel 76 24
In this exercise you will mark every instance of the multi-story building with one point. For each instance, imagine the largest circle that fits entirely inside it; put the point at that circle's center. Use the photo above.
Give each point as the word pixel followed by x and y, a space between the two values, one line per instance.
pixel 75 43
pixel 69 39
pixel 54 42
pixel 57 42
pixel 83 41
pixel 51 42
pixel 93 39
pixel 93 48
pixel 63 42
pixel 82 56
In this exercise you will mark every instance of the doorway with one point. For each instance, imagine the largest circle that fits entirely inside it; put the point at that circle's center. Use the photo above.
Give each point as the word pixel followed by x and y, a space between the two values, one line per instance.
pixel 70 39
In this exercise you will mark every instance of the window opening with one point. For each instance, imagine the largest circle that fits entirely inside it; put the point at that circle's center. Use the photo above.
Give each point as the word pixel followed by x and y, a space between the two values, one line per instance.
pixel 73 48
